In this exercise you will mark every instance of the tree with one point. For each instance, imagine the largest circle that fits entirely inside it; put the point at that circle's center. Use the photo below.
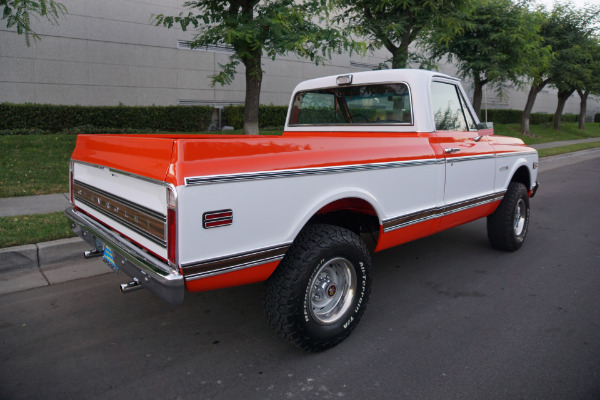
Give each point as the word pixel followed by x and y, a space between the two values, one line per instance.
pixel 560 29
pixel 18 14
pixel 499 42
pixel 254 28
pixel 591 78
pixel 573 67
pixel 396 24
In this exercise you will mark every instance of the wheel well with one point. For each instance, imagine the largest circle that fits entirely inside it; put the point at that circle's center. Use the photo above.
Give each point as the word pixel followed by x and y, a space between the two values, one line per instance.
pixel 354 214
pixel 522 176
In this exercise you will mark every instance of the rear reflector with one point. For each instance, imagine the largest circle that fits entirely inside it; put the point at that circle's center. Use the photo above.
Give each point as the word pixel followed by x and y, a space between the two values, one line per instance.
pixel 215 219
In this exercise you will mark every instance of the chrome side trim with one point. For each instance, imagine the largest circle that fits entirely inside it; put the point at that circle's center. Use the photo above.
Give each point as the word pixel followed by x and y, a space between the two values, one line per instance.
pixel 288 173
pixel 470 158
pixel 153 273
pixel 236 262
pixel 118 171
pixel 402 221
pixel 515 153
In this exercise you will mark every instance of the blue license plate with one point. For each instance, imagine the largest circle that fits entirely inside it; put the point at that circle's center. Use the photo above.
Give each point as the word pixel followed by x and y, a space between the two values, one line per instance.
pixel 109 258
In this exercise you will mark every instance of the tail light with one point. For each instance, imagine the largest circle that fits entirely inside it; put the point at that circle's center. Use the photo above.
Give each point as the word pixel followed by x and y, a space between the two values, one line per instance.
pixel 71 166
pixel 172 226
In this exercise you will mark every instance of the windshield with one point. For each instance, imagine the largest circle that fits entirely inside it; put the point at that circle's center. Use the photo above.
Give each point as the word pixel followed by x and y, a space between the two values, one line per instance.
pixel 384 103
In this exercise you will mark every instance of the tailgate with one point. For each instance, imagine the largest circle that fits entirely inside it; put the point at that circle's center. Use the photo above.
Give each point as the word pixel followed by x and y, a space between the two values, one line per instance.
pixel 119 180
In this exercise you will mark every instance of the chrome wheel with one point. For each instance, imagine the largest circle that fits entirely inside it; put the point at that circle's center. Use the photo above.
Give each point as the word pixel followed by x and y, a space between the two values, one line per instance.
pixel 332 291
pixel 520 216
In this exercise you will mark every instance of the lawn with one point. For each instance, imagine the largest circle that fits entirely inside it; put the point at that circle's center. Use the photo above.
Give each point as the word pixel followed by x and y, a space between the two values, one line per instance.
pixel 25 229
pixel 34 164
pixel 544 133
pixel 39 164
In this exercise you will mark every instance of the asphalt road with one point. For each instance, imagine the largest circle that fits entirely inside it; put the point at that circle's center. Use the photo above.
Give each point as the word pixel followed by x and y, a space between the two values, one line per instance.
pixel 449 318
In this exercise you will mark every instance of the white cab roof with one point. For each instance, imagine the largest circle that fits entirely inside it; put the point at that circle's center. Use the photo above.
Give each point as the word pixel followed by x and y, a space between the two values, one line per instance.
pixel 418 81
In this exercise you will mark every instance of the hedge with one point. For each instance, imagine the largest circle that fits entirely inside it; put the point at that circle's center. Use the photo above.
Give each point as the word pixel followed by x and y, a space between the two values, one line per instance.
pixel 57 118
pixel 268 116
pixel 274 116
pixel 514 117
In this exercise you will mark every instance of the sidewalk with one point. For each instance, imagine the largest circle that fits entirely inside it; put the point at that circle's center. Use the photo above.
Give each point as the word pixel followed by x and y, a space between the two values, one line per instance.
pixel 44 204
pixel 42 264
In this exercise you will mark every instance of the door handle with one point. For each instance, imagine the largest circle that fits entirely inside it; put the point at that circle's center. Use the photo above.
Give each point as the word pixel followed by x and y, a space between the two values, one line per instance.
pixel 452 150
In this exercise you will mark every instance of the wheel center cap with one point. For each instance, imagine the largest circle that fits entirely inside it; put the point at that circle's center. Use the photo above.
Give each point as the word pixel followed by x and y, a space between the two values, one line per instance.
pixel 331 290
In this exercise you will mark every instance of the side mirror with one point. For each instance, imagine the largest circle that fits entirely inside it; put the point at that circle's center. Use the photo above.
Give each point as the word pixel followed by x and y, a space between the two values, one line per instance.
pixel 485 125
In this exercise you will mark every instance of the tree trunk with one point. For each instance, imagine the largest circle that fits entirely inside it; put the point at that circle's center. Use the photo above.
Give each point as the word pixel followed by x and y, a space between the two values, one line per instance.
pixel 582 107
pixel 563 96
pixel 253 84
pixel 400 53
pixel 477 93
pixel 400 58
pixel 533 92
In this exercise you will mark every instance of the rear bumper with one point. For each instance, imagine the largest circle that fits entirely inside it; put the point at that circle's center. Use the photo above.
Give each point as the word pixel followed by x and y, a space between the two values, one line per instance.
pixel 152 273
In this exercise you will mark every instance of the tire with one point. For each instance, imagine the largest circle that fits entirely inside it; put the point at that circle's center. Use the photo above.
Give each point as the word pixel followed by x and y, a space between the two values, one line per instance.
pixel 507 226
pixel 319 292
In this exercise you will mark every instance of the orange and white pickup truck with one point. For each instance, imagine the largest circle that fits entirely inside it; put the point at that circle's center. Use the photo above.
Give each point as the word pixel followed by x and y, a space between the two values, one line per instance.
pixel 367 161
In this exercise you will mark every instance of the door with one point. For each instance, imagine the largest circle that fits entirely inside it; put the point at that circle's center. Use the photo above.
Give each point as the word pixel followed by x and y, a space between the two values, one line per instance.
pixel 469 158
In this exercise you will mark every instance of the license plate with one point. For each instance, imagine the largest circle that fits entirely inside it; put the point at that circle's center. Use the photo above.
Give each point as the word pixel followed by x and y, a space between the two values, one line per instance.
pixel 109 258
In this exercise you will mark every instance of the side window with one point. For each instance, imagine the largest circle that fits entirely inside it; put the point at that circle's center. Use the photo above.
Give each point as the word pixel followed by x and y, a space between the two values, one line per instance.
pixel 447 108
pixel 470 120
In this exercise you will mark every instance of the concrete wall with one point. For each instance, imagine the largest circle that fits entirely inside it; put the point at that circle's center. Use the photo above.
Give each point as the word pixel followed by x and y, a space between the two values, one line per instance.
pixel 108 52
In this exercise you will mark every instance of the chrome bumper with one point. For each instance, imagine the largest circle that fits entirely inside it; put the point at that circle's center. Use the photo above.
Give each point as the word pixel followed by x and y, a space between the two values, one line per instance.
pixel 152 273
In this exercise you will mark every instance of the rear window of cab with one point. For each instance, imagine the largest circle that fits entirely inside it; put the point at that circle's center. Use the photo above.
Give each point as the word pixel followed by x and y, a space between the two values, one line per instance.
pixel 388 103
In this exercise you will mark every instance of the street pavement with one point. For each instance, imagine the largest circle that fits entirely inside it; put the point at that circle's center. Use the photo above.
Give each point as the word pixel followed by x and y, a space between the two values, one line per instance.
pixel 42 264
pixel 448 318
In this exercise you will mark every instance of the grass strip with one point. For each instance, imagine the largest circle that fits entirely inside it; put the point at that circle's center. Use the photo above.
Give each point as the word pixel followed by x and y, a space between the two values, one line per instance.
pixel 554 151
pixel 27 229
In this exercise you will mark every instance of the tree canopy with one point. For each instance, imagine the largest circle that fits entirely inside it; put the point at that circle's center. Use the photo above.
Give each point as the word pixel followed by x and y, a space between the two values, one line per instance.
pixel 572 67
pixel 396 24
pixel 565 29
pixel 253 29
pixel 498 42
pixel 19 13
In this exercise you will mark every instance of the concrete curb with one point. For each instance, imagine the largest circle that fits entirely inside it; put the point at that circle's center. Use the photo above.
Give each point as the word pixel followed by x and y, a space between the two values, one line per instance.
pixel 41 255
pixel 48 263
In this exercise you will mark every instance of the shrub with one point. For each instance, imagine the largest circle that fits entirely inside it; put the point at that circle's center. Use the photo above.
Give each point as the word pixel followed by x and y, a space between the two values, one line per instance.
pixel 597 117
pixel 514 117
pixel 58 118
pixel 268 116
pixel 502 116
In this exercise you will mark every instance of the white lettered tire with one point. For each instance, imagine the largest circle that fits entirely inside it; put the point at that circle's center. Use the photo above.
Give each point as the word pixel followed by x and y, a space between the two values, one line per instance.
pixel 508 225
pixel 320 290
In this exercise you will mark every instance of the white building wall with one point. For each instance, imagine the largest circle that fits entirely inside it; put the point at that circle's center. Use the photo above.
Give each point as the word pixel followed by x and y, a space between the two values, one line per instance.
pixel 109 52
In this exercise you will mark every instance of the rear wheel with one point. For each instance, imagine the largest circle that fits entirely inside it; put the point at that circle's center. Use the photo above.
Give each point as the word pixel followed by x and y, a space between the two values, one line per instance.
pixel 320 290
pixel 507 226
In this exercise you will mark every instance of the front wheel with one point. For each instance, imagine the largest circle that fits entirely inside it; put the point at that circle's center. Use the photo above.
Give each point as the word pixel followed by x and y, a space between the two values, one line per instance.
pixel 507 226
pixel 320 290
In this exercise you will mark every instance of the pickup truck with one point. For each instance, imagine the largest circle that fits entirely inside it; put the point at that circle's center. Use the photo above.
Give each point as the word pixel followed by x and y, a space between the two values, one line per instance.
pixel 367 161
